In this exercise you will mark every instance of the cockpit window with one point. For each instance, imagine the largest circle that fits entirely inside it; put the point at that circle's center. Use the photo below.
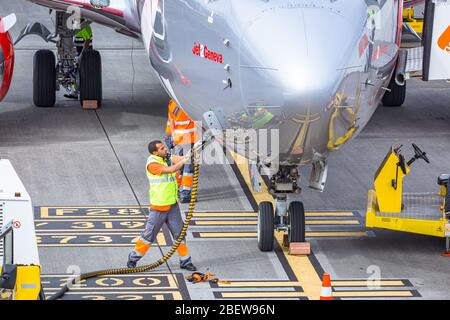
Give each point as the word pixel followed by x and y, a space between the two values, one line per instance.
pixel 2 65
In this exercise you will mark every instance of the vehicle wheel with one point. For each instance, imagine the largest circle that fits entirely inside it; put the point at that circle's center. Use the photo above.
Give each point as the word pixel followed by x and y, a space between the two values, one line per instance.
pixel 296 222
pixel 266 230
pixel 396 97
pixel 44 79
pixel 91 76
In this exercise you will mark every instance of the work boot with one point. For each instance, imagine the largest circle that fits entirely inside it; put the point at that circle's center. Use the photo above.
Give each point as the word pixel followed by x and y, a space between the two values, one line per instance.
pixel 130 262
pixel 185 196
pixel 187 265
pixel 185 199
pixel 71 96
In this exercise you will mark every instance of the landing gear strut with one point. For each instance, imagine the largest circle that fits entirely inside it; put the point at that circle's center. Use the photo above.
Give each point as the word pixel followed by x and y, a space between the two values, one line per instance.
pixel 283 218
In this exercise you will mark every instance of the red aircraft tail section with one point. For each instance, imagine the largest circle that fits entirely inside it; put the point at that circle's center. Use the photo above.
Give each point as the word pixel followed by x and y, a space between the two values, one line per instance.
pixel 6 54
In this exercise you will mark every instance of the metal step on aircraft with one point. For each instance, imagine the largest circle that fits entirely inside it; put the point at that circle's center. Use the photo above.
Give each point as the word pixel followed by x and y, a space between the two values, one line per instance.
pixel 307 73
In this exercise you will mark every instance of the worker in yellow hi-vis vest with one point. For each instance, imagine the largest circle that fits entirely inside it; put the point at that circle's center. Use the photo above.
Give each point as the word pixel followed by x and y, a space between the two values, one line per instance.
pixel 82 41
pixel 163 204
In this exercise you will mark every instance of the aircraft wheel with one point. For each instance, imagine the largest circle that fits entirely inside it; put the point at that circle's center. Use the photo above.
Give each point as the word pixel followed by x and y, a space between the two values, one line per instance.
pixel 91 76
pixel 296 222
pixel 44 79
pixel 266 227
pixel 396 97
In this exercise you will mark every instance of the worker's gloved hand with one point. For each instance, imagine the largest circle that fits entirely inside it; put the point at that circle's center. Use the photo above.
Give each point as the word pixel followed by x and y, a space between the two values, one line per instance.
pixel 169 159
pixel 168 140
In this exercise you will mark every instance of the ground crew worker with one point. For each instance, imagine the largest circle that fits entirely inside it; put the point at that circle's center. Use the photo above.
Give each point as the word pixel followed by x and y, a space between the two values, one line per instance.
pixel 82 41
pixel 182 134
pixel 163 205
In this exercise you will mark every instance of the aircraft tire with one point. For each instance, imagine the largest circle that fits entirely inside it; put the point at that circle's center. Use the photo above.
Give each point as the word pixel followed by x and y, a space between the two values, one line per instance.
pixel 91 76
pixel 44 79
pixel 396 97
pixel 266 230
pixel 297 222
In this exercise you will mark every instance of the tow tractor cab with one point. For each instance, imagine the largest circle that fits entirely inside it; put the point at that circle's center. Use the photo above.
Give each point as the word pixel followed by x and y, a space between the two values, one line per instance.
pixel 19 259
pixel 420 213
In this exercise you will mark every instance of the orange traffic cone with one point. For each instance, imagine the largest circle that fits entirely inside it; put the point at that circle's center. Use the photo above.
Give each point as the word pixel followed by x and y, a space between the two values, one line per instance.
pixel 326 293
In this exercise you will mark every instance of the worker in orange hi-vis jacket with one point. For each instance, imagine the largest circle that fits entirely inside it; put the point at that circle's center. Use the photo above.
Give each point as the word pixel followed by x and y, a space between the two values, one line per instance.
pixel 182 134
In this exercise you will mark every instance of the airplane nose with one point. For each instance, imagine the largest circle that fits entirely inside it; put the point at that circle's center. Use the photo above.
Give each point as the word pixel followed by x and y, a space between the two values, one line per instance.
pixel 295 57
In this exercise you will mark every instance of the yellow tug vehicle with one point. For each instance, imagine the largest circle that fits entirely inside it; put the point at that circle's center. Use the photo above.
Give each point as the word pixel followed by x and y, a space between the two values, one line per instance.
pixel 388 207
pixel 415 23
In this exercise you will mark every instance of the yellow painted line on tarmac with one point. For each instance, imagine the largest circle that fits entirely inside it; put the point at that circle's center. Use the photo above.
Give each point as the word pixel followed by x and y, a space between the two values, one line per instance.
pixel 225 222
pixel 67 277
pixel 362 283
pixel 337 234
pixel 281 284
pixel 87 231
pixel 373 294
pixel 47 218
pixel 158 295
pixel 301 265
pixel 255 215
pixel 227 234
pixel 304 271
pixel 116 289
pixel 254 223
pixel 60 211
pixel 82 232
pixel 225 214
pixel 58 245
pixel 329 214
pixel 66 237
pixel 259 284
pixel 242 165
pixel 332 222
pixel 268 294
pixel 91 219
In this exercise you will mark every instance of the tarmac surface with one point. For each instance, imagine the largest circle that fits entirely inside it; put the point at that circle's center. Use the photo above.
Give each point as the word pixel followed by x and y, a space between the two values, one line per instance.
pixel 84 171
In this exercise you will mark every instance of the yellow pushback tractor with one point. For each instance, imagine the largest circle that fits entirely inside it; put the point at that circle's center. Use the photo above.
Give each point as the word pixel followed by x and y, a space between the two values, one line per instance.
pixel 388 207
pixel 412 22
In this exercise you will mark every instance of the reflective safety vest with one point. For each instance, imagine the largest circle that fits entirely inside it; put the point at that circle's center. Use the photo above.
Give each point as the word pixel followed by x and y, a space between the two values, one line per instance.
pixel 170 117
pixel 262 117
pixel 181 126
pixel 164 187
pixel 85 34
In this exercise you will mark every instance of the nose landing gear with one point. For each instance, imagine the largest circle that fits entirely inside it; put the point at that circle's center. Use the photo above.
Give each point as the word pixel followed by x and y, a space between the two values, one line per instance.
pixel 79 75
pixel 290 219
